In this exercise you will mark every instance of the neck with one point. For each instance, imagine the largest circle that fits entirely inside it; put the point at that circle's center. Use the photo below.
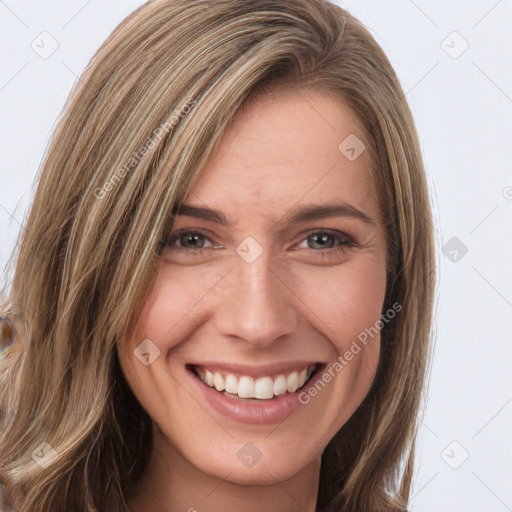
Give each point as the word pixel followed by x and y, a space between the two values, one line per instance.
pixel 171 484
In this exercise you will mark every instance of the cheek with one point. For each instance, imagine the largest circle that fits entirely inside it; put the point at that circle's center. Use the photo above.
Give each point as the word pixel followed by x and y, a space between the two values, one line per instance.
pixel 176 296
pixel 165 318
pixel 347 299
pixel 347 303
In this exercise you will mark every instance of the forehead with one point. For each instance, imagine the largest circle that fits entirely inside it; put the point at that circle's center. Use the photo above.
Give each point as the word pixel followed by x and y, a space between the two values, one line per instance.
pixel 283 149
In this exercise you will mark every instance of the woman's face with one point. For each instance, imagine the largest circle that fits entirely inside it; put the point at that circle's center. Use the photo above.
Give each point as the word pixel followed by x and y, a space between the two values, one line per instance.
pixel 275 268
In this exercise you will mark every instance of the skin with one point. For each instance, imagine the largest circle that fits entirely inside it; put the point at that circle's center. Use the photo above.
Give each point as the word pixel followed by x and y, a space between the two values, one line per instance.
pixel 290 303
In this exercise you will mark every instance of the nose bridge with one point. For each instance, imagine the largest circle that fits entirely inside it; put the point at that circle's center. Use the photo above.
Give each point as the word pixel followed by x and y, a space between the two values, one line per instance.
pixel 258 306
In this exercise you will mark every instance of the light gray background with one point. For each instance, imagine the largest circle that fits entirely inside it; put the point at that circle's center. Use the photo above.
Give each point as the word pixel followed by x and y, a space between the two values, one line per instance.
pixel 462 104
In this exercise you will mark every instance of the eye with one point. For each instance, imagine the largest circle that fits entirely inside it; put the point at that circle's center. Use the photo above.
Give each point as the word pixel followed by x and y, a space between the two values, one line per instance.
pixel 189 241
pixel 324 242
pixel 327 241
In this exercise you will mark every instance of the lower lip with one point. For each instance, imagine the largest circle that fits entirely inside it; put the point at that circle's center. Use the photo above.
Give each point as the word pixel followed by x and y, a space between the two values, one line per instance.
pixel 254 412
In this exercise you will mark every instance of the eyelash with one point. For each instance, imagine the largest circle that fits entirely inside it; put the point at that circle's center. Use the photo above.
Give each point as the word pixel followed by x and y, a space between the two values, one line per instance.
pixel 344 241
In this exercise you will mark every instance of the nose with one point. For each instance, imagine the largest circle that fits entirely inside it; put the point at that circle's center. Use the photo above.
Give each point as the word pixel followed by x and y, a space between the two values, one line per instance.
pixel 257 306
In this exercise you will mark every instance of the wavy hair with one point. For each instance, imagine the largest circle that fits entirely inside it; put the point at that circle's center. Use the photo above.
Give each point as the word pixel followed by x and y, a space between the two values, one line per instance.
pixel 148 111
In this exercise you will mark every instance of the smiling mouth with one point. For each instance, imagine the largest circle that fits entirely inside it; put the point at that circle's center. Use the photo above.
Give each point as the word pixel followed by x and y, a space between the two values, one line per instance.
pixel 260 388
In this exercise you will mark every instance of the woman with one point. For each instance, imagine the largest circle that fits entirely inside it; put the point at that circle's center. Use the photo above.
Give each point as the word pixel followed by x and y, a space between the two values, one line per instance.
pixel 227 273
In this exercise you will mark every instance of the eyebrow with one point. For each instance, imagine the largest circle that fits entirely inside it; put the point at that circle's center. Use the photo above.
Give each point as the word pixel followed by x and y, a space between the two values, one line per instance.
pixel 297 215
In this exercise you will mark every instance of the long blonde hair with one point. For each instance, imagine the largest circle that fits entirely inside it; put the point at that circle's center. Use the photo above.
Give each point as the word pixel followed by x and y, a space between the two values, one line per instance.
pixel 169 79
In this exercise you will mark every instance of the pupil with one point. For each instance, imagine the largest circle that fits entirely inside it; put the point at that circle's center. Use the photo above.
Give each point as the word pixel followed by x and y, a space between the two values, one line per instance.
pixel 191 239
pixel 322 239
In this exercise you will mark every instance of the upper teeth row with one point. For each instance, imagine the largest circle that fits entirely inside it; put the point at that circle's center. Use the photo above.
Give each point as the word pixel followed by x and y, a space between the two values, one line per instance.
pixel 262 387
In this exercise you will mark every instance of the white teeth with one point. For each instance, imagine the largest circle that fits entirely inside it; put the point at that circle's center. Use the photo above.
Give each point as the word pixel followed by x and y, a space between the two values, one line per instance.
pixel 264 388
pixel 292 382
pixel 231 384
pixel 246 387
pixel 218 381
pixel 280 385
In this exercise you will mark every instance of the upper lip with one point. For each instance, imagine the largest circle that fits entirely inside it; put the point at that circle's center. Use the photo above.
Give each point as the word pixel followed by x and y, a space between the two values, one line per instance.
pixel 270 369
